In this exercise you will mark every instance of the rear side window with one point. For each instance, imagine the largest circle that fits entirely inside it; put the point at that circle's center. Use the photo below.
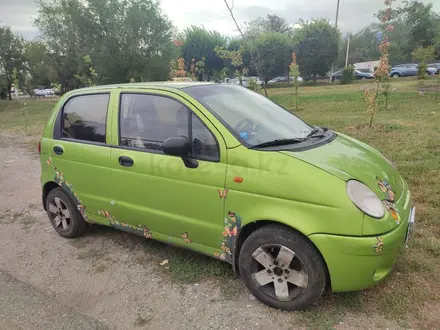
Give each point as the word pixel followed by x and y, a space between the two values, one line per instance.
pixel 84 117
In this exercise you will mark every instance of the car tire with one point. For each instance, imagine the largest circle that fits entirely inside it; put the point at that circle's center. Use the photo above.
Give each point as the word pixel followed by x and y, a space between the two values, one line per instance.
pixel 269 277
pixel 395 75
pixel 64 215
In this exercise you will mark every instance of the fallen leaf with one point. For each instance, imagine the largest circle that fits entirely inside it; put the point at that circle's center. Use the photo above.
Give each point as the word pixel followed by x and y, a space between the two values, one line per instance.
pixel 164 262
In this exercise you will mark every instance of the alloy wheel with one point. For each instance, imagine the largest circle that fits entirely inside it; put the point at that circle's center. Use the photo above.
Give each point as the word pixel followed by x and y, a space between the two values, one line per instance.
pixel 278 272
pixel 59 214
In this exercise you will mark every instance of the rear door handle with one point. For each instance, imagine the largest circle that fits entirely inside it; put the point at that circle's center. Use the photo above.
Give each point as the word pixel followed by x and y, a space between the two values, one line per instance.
pixel 126 161
pixel 58 150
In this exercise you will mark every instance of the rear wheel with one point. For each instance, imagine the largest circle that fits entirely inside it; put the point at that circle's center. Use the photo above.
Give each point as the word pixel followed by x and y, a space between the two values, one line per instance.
pixel 64 215
pixel 282 268
pixel 395 75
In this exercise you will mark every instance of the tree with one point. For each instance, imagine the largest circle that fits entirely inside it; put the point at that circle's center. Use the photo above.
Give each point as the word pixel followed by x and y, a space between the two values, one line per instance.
pixel 423 55
pixel 11 57
pixel 273 50
pixel 422 21
pixel 381 73
pixel 232 58
pixel 126 39
pixel 40 71
pixel 197 42
pixel 89 76
pixel 270 23
pixel 317 48
pixel 294 72
pixel 255 59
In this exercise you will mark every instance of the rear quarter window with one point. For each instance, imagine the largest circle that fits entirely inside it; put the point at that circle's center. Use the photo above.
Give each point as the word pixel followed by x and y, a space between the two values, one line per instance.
pixel 84 118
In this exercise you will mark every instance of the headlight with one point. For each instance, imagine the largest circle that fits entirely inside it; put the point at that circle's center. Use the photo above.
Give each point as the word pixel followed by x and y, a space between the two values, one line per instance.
pixel 365 199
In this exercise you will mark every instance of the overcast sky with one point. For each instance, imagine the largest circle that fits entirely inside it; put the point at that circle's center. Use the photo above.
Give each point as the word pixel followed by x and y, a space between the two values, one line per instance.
pixel 353 15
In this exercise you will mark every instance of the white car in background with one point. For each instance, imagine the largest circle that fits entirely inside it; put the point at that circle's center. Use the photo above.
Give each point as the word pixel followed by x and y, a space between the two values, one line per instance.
pixel 44 92
pixel 244 81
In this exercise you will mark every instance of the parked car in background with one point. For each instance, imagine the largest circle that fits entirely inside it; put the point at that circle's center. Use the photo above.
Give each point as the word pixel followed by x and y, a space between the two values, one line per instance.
pixel 244 81
pixel 363 75
pixel 39 92
pixel 357 74
pixel 42 92
pixel 282 79
pixel 435 66
pixel 407 70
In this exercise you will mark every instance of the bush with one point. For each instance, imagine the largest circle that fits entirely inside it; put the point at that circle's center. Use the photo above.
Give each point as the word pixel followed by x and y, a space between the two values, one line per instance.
pixel 253 85
pixel 347 75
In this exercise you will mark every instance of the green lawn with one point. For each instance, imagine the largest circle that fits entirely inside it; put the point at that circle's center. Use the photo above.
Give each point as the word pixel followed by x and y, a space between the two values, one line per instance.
pixel 408 133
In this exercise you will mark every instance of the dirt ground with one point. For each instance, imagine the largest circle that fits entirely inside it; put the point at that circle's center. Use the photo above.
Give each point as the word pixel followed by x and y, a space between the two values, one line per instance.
pixel 108 279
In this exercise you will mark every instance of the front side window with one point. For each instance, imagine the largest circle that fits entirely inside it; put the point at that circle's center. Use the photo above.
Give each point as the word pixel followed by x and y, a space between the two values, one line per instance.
pixel 204 144
pixel 84 117
pixel 250 116
pixel 146 121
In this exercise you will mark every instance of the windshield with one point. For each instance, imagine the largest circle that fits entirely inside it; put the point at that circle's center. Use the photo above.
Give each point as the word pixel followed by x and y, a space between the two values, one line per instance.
pixel 253 118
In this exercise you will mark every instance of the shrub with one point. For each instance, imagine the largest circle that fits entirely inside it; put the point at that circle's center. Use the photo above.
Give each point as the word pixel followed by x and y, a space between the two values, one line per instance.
pixel 253 85
pixel 347 75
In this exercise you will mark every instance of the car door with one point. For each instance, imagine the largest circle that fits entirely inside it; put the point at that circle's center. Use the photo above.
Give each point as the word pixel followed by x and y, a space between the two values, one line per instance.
pixel 412 70
pixel 175 203
pixel 79 154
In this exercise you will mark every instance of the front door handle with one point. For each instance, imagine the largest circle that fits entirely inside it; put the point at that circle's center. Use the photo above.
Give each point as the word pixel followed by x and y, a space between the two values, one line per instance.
pixel 58 150
pixel 126 161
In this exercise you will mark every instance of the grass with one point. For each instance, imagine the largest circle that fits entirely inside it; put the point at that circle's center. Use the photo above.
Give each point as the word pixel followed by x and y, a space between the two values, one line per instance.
pixel 330 310
pixel 12 117
pixel 185 266
pixel 408 133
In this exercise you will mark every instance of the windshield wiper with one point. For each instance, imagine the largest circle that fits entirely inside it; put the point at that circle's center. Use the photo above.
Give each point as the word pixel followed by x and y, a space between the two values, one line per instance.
pixel 278 142
pixel 316 132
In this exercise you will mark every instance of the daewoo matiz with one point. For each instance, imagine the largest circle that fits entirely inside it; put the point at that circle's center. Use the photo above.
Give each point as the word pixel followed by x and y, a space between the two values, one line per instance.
pixel 224 171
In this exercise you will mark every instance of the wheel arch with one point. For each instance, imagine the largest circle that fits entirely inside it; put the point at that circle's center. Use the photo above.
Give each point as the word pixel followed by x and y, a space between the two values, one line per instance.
pixel 249 228
pixel 47 188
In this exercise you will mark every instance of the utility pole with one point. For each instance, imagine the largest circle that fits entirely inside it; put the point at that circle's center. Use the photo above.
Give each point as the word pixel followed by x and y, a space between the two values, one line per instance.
pixel 348 47
pixel 336 27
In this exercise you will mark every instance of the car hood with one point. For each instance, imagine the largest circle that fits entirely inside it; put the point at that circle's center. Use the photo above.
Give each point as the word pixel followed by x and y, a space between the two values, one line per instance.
pixel 348 159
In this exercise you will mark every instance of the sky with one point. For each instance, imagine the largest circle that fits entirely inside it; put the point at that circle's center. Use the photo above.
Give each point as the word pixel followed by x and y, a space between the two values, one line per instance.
pixel 212 14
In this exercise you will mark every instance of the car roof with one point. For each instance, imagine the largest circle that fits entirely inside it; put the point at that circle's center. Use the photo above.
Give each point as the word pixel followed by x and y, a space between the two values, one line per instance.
pixel 157 84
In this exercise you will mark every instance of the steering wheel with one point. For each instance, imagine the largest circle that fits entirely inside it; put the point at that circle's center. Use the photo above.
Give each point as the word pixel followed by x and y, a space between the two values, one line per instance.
pixel 246 125
pixel 247 128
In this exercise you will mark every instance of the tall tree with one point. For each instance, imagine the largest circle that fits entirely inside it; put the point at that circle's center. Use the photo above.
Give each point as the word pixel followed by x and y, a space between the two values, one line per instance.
pixel 124 39
pixel 317 48
pixel 422 20
pixel 40 69
pixel 198 43
pixel 274 51
pixel 267 24
pixel 11 57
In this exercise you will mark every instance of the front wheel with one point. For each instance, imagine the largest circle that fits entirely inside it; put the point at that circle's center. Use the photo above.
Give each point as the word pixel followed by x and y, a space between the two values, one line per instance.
pixel 282 268
pixel 395 75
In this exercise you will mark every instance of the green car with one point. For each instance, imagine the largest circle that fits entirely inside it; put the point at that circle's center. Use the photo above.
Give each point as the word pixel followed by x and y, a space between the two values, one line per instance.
pixel 221 170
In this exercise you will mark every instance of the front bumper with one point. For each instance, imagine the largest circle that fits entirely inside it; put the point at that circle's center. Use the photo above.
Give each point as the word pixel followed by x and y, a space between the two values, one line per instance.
pixel 356 263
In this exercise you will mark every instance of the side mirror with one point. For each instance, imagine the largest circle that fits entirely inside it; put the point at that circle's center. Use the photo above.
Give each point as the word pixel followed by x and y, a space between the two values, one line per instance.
pixel 179 146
